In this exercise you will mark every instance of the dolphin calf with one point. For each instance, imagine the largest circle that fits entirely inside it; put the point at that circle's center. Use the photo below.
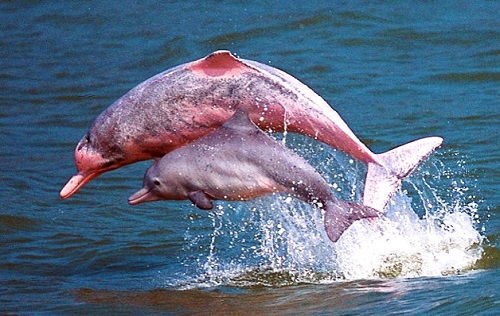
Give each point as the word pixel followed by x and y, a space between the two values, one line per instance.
pixel 186 102
pixel 239 162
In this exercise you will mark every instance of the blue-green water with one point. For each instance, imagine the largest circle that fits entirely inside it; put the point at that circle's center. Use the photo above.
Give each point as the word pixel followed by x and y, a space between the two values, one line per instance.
pixel 394 71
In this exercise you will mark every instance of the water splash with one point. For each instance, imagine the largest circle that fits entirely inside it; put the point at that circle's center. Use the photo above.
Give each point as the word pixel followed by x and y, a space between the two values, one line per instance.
pixel 429 229
pixel 403 245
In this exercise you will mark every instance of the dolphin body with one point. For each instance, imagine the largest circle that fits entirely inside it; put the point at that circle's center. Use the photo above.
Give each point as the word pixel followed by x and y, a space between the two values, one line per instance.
pixel 186 102
pixel 238 162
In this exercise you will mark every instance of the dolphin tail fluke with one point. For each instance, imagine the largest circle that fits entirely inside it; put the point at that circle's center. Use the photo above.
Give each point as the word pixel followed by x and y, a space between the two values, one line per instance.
pixel 339 215
pixel 383 180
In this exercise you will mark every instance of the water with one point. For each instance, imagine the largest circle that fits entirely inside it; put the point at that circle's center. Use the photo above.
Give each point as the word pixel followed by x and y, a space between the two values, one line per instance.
pixel 394 72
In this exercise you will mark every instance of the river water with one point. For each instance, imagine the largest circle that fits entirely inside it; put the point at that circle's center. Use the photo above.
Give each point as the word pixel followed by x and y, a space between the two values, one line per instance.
pixel 394 71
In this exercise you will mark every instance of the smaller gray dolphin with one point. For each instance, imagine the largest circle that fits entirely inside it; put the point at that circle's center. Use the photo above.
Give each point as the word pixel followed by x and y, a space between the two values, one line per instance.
pixel 238 162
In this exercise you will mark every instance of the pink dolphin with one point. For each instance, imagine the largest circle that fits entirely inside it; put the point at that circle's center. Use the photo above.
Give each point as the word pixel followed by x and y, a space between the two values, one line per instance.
pixel 186 102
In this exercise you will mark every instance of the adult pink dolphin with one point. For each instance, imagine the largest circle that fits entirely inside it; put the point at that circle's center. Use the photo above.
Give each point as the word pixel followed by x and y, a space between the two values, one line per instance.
pixel 181 104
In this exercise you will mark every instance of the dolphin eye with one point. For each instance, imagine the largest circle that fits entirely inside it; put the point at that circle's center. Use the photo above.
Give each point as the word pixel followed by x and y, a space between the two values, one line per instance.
pixel 84 142
pixel 157 182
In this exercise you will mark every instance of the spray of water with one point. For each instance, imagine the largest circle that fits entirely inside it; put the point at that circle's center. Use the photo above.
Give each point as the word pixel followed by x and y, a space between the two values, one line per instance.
pixel 429 229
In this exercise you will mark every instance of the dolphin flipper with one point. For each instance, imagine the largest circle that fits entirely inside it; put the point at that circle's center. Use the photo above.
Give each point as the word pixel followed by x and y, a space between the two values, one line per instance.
pixel 201 199
pixel 339 215
pixel 382 181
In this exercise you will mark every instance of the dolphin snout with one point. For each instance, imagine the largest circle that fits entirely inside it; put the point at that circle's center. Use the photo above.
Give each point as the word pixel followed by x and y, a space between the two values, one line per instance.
pixel 143 195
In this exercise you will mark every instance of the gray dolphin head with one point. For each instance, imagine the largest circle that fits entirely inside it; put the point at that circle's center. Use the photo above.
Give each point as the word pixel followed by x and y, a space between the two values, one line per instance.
pixel 154 187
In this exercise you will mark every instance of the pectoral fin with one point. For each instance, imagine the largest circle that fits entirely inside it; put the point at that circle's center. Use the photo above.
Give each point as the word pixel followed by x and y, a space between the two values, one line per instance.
pixel 201 199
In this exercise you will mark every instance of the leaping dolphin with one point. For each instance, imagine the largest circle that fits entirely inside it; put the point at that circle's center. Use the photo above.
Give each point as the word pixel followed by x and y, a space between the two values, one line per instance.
pixel 181 104
pixel 238 162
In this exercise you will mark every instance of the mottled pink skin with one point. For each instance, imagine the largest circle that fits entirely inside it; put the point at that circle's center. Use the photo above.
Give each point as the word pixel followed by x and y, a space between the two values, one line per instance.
pixel 179 105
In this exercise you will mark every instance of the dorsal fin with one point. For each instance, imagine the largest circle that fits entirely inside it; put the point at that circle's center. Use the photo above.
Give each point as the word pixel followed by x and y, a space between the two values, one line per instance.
pixel 241 122
pixel 218 64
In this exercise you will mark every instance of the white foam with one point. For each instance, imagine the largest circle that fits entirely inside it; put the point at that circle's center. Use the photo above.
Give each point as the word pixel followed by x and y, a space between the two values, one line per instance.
pixel 402 245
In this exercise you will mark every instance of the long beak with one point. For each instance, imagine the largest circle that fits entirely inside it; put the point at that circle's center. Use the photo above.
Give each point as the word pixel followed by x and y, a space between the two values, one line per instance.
pixel 143 195
pixel 76 182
